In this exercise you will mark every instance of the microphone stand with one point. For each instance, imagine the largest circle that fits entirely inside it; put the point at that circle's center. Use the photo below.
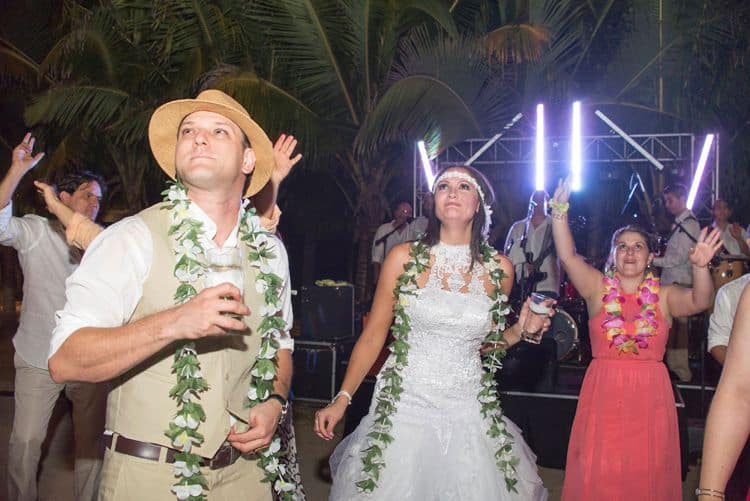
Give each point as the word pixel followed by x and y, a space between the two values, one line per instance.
pixel 527 255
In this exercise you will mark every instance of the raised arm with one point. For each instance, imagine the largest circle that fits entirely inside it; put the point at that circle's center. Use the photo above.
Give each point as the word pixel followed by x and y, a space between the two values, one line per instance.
pixel 684 302
pixel 728 422
pixel 283 151
pixel 22 162
pixel 79 230
pixel 370 342
pixel 586 279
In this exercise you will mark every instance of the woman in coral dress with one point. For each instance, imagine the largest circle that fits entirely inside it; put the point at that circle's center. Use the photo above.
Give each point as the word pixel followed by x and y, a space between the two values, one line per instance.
pixel 624 443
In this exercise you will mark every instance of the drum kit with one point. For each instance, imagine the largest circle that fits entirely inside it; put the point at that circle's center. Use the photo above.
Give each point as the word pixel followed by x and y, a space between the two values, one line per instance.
pixel 728 267
pixel 566 325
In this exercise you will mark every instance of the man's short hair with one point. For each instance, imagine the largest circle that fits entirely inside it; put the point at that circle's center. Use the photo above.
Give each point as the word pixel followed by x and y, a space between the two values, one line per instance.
pixel 678 190
pixel 71 181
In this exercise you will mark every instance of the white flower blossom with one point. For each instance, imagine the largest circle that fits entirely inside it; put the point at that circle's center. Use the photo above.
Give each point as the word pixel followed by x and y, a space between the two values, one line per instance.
pixel 185 491
pixel 261 286
pixel 189 248
pixel 273 465
pixel 181 469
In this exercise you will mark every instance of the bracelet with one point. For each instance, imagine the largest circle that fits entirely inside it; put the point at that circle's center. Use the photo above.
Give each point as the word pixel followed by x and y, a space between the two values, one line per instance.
pixel 700 491
pixel 343 393
pixel 284 404
pixel 559 207
pixel 559 215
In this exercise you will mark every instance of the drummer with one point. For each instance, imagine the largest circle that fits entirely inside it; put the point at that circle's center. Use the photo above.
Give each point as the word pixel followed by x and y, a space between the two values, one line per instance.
pixel 733 235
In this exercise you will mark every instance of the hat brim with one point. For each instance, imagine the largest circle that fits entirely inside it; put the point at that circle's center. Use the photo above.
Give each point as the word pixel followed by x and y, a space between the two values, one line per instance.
pixel 166 120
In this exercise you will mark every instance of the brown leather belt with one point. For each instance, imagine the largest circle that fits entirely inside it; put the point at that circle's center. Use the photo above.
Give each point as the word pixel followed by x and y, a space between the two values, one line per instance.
pixel 225 456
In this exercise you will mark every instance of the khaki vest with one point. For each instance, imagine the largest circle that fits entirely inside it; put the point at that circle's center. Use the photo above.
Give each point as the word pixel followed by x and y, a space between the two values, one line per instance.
pixel 139 406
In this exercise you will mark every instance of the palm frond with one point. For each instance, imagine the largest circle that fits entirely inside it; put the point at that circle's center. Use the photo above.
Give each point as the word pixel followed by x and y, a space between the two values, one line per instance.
pixel 68 106
pixel 443 90
pixel 312 41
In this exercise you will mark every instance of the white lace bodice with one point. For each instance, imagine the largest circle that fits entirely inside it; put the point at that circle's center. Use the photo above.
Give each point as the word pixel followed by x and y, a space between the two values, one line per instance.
pixel 449 320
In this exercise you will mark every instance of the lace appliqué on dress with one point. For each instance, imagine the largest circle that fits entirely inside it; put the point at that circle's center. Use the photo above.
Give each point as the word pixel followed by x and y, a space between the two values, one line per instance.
pixel 450 270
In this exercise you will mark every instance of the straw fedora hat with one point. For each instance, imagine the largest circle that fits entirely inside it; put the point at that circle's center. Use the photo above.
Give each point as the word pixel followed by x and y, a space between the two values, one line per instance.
pixel 166 120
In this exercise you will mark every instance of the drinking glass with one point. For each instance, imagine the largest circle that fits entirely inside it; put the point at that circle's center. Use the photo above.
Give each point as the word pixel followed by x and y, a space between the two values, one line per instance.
pixel 224 266
pixel 539 308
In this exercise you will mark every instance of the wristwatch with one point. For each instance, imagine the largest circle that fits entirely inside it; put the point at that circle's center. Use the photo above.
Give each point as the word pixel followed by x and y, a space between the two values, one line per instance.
pixel 284 404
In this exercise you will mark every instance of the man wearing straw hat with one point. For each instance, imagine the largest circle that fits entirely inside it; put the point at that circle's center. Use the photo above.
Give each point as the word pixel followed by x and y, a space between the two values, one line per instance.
pixel 194 406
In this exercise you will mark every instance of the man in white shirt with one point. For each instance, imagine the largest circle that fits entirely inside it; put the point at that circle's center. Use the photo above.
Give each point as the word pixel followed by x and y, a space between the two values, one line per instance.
pixel 676 269
pixel 403 228
pixel 129 306
pixel 530 247
pixel 47 261
pixel 722 318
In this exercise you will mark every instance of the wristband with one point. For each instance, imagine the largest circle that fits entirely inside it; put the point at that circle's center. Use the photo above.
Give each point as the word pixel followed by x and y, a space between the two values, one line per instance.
pixel 343 393
pixel 700 491
pixel 559 207
pixel 284 404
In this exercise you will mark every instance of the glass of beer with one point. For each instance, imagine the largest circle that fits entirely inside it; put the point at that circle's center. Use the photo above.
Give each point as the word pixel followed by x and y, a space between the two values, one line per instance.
pixel 224 266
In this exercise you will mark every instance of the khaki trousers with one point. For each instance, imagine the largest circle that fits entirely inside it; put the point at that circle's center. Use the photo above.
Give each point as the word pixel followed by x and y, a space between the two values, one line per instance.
pixel 127 478
pixel 677 356
pixel 35 398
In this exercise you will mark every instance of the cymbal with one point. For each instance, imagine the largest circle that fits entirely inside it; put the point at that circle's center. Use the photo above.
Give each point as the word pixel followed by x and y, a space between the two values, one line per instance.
pixel 732 257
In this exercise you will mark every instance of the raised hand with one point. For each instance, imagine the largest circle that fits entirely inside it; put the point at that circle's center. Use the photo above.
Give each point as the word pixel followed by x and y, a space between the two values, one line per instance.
pixel 50 196
pixel 706 247
pixel 562 192
pixel 735 230
pixel 283 150
pixel 22 154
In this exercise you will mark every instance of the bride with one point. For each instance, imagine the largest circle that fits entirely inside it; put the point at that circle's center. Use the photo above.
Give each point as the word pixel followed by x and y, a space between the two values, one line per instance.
pixel 435 428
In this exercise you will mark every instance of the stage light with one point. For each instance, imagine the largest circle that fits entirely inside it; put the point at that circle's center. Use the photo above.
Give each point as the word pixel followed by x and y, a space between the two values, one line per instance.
pixel 576 148
pixel 632 142
pixel 426 165
pixel 494 138
pixel 539 149
pixel 699 170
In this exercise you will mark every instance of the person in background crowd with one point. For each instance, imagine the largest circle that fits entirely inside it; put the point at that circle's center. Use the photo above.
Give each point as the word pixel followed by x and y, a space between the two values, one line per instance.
pixel 728 422
pixel 403 228
pixel 676 269
pixel 47 261
pixel 732 234
pixel 530 247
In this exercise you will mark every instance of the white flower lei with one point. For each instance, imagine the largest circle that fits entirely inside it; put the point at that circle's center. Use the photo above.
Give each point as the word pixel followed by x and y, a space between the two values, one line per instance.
pixel 379 436
pixel 183 429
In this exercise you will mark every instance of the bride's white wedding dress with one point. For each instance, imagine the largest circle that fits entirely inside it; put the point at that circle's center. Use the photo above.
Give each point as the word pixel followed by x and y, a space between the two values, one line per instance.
pixel 440 449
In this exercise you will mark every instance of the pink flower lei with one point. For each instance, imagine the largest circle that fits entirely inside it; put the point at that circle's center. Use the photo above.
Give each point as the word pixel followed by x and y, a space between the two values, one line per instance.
pixel 645 320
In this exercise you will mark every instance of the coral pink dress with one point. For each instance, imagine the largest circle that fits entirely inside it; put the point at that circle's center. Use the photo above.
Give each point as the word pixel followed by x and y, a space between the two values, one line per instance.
pixel 625 440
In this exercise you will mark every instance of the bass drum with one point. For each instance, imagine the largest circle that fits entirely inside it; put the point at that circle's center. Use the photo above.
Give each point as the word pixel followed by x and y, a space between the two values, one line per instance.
pixel 565 333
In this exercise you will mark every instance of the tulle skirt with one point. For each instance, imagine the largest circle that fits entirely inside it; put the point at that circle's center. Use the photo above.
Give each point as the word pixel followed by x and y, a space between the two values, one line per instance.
pixel 442 456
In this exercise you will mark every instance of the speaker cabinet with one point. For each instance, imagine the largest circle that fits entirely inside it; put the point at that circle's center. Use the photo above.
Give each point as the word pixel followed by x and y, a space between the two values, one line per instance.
pixel 326 313
pixel 318 368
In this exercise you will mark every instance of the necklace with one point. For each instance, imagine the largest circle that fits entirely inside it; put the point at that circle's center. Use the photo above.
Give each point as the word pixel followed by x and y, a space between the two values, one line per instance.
pixel 645 320
pixel 187 236
pixel 379 436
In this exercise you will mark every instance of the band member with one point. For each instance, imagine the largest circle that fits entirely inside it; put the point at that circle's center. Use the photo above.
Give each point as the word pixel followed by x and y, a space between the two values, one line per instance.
pixel 530 248
pixel 677 269
pixel 732 234
pixel 403 228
